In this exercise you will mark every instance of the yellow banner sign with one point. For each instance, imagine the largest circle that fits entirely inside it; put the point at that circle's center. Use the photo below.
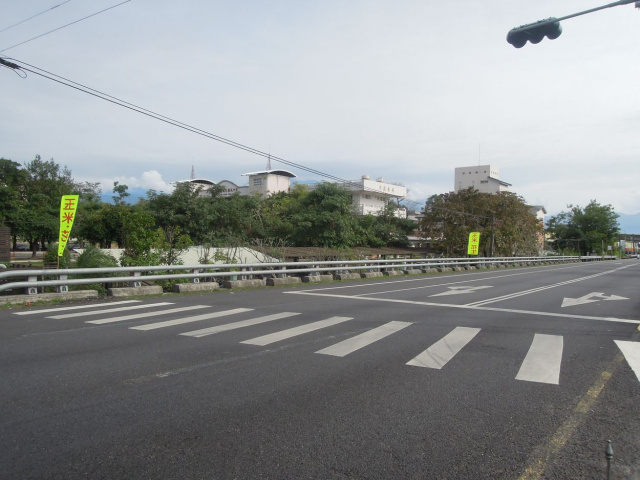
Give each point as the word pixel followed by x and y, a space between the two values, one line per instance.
pixel 68 207
pixel 474 242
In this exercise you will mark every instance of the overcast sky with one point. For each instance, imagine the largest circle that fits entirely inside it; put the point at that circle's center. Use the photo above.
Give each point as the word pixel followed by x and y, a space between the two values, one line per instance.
pixel 405 89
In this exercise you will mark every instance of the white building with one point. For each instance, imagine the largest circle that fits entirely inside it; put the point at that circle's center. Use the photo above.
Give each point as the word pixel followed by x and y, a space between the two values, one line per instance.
pixel 268 182
pixel 484 178
pixel 371 196
pixel 262 183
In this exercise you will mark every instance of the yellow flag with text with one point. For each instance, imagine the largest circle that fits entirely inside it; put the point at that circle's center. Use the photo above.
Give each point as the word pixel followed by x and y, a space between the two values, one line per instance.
pixel 68 207
pixel 474 243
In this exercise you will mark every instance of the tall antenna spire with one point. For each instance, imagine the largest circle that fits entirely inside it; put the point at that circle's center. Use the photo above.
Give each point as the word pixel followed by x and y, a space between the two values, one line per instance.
pixel 269 159
pixel 193 174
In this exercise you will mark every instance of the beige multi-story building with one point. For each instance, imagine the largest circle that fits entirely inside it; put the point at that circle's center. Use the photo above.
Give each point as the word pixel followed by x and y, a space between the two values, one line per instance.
pixel 484 178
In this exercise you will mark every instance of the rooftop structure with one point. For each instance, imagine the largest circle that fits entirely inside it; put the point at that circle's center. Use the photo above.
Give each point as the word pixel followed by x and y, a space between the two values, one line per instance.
pixel 484 178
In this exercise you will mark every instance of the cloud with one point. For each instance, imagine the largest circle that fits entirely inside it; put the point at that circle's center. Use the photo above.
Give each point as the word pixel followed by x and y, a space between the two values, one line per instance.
pixel 149 180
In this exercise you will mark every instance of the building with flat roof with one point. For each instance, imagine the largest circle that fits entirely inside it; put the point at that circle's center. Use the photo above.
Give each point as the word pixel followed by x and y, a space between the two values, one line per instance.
pixel 369 196
pixel 484 178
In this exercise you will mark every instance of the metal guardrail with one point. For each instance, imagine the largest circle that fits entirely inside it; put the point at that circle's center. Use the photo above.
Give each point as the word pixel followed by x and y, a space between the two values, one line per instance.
pixel 134 276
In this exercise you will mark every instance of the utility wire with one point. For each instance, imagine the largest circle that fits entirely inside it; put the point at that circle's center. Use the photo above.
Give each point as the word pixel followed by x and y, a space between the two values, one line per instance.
pixel 64 26
pixel 109 98
pixel 34 16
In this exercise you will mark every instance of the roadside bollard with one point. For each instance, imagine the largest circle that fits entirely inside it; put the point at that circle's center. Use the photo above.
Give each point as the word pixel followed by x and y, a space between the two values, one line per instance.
pixel 609 454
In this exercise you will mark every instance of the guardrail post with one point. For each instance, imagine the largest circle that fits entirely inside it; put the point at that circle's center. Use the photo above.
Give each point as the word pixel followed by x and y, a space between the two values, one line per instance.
pixel 135 283
pixel 195 279
pixel 31 290
pixel 62 288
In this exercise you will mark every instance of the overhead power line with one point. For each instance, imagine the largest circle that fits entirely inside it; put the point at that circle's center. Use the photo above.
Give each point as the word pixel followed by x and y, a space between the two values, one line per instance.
pixel 19 66
pixel 33 16
pixel 65 26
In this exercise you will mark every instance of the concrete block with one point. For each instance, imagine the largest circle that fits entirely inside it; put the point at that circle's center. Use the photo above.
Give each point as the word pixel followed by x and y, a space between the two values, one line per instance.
pixel 317 278
pixel 347 276
pixel 73 295
pixel 195 287
pixel 392 273
pixel 272 282
pixel 243 283
pixel 412 271
pixel 128 291
pixel 371 274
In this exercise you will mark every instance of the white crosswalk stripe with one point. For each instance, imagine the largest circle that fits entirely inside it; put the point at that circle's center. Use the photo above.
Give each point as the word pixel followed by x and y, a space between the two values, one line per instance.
pixel 112 310
pixel 76 307
pixel 350 345
pixel 196 318
pixel 232 326
pixel 294 332
pixel 542 363
pixel 135 316
pixel 631 352
pixel 438 354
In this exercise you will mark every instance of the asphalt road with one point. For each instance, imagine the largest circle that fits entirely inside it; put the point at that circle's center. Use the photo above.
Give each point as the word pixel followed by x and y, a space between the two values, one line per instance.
pixel 511 373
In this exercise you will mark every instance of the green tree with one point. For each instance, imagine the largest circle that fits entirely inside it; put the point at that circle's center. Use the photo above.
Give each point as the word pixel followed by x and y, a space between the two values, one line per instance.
pixel 585 230
pixel 450 218
pixel 326 218
pixel 39 215
pixel 13 180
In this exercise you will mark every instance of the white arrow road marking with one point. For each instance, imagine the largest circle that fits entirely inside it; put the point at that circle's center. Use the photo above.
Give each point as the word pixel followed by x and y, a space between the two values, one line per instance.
pixel 459 290
pixel 591 297
pixel 631 351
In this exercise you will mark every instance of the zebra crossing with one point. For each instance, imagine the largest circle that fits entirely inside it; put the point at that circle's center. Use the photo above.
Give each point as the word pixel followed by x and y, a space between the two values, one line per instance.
pixel 541 364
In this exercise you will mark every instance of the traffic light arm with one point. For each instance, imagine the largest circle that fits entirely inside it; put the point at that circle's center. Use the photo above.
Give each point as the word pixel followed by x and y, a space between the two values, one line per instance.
pixel 614 4
pixel 551 28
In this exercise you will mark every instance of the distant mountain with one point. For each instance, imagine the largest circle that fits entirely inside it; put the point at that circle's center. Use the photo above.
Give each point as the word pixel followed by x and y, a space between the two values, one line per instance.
pixel 629 224
pixel 134 196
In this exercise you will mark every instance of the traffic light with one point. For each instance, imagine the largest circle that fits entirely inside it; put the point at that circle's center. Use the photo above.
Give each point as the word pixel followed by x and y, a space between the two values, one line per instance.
pixel 534 32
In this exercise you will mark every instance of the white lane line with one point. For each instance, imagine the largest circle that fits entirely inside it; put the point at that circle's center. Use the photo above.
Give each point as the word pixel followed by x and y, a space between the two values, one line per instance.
pixel 540 289
pixel 542 363
pixel 438 354
pixel 232 326
pixel 486 275
pixel 467 307
pixel 76 307
pixel 631 352
pixel 196 318
pixel 367 338
pixel 294 332
pixel 112 310
pixel 146 315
